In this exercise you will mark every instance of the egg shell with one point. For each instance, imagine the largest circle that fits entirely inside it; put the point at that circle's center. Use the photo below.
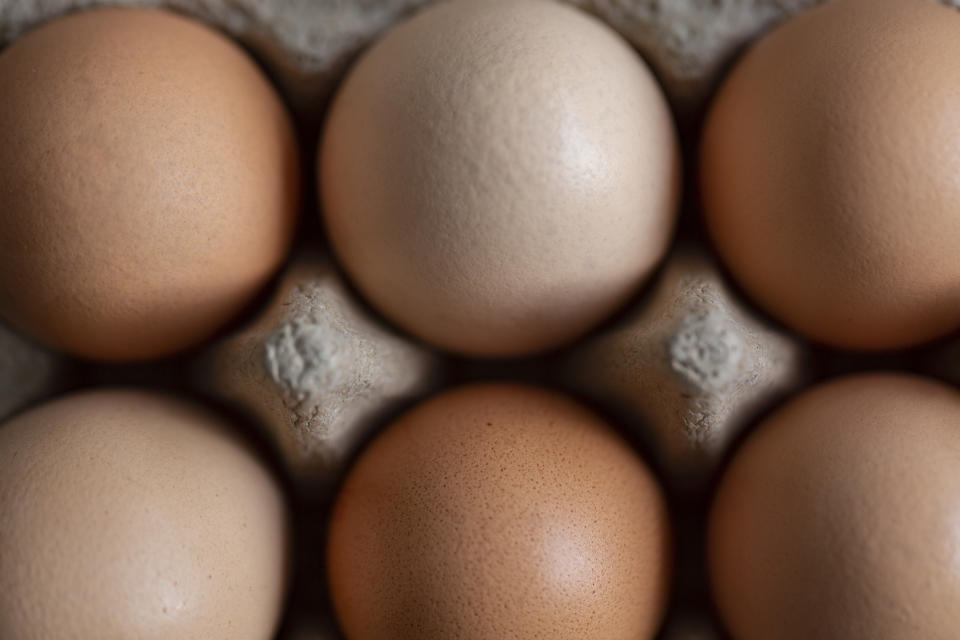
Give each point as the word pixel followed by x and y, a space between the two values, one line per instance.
pixel 149 181
pixel 127 514
pixel 838 517
pixel 312 42
pixel 498 177
pixel 496 511
pixel 831 176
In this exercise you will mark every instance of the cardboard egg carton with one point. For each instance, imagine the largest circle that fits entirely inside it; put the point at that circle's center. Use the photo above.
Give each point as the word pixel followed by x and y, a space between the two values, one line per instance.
pixel 686 368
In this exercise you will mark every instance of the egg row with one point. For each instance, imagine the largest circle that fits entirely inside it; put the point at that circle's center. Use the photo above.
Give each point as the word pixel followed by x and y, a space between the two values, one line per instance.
pixel 488 511
pixel 496 177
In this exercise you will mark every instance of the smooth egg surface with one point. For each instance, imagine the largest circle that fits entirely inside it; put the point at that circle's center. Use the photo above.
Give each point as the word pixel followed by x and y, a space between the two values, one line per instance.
pixel 148 183
pixel 126 514
pixel 840 516
pixel 830 173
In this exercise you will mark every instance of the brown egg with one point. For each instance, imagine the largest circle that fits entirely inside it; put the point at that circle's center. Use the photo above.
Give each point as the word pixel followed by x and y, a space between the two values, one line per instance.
pixel 127 514
pixel 499 511
pixel 831 177
pixel 148 181
pixel 839 517
pixel 498 177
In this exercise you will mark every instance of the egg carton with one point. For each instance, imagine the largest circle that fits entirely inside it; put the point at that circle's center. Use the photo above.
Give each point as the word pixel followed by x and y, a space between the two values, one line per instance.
pixel 686 368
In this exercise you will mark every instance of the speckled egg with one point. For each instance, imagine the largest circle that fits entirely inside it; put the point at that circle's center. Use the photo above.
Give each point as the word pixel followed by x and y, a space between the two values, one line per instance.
pixel 498 511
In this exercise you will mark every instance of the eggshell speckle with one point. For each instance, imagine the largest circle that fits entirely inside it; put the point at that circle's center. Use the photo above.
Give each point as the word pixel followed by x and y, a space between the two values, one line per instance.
pixel 839 517
pixel 126 514
pixel 831 176
pixel 148 181
pixel 498 511
pixel 497 177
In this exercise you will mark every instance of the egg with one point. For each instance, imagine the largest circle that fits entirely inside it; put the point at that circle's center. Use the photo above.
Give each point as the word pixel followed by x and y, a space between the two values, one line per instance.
pixel 498 177
pixel 839 516
pixel 496 511
pixel 830 173
pixel 128 514
pixel 149 181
